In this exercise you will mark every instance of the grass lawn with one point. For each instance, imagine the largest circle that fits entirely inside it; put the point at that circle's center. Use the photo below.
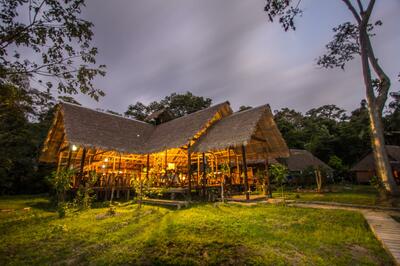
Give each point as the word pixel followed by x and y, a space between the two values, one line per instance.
pixel 352 194
pixel 204 234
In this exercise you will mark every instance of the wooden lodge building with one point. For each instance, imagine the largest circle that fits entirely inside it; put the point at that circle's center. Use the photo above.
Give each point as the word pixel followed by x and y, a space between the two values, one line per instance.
pixel 187 152
pixel 365 168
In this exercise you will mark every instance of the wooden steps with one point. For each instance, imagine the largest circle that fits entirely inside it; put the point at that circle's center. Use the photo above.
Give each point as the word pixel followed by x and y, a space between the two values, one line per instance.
pixel 177 203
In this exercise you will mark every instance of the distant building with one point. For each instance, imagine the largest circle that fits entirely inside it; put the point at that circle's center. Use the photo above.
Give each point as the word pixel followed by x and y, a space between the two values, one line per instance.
pixel 365 168
pixel 300 160
pixel 297 162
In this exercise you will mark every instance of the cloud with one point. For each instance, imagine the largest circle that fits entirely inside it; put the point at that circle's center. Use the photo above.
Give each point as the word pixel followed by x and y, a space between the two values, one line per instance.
pixel 227 50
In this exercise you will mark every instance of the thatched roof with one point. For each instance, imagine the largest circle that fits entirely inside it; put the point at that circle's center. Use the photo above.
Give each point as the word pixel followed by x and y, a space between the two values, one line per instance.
pixel 298 160
pixel 368 162
pixel 254 128
pixel 85 127
pixel 301 159
pixel 178 132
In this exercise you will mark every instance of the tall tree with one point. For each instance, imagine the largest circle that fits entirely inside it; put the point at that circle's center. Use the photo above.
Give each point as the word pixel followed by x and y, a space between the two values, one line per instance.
pixel 178 104
pixel 351 39
pixel 23 125
pixel 47 41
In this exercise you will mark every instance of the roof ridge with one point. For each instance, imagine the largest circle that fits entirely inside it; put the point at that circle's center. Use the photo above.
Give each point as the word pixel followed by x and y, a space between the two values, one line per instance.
pixel 198 111
pixel 104 112
pixel 250 109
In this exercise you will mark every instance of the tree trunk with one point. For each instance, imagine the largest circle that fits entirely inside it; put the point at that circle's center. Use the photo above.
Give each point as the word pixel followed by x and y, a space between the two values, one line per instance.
pixel 376 104
pixel 382 165
pixel 318 178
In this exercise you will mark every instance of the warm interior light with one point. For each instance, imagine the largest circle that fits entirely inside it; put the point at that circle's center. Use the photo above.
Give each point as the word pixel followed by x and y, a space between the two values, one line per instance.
pixel 74 147
pixel 106 159
pixel 103 166
pixel 171 166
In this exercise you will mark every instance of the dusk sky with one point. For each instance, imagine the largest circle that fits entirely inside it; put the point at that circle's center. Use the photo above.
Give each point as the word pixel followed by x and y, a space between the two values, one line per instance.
pixel 227 50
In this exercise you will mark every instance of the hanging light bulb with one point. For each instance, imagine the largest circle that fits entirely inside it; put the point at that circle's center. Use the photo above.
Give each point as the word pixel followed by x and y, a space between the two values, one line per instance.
pixel 74 147
pixel 106 159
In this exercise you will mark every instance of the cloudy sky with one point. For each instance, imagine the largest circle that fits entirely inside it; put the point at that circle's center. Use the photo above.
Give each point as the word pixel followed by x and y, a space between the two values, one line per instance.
pixel 227 50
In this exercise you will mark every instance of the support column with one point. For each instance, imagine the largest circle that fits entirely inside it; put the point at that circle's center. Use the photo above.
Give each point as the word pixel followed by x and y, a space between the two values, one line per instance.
pixel 82 164
pixel 165 164
pixel 141 187
pixel 237 168
pixel 267 183
pixel 198 171
pixel 69 158
pixel 204 180
pixel 230 170
pixel 246 181
pixel 147 167
pixel 59 162
pixel 189 174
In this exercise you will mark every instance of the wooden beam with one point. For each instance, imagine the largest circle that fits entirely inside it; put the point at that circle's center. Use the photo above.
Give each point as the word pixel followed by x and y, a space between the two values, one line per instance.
pixel 82 162
pixel 229 165
pixel 69 158
pixel 189 172
pixel 147 166
pixel 258 139
pixel 198 170
pixel 204 180
pixel 246 180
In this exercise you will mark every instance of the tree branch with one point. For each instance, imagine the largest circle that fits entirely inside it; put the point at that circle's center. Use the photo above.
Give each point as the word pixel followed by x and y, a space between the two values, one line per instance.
pixel 353 10
pixel 360 6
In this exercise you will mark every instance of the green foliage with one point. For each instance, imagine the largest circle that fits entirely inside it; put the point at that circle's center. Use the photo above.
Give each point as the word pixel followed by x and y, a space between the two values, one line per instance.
pixel 61 182
pixel 244 108
pixel 24 120
pixel 279 173
pixel 337 165
pixel 84 195
pixel 327 132
pixel 178 104
pixel 56 32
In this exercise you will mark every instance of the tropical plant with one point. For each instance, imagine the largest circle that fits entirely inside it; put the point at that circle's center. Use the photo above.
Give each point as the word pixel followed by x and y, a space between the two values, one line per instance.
pixel 279 173
pixel 225 172
pixel 84 195
pixel 61 183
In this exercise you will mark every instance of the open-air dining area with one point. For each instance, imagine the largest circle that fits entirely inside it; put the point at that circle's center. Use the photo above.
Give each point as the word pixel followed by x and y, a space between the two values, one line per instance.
pixel 196 154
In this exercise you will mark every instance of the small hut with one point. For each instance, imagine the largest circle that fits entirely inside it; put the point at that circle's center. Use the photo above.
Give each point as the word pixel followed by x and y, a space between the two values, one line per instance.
pixel 365 168
pixel 300 160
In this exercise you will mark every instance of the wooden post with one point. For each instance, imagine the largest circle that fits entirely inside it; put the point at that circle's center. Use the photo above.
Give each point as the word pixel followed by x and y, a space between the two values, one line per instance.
pixel 237 169
pixel 198 171
pixel 204 177
pixel 82 163
pixel 141 187
pixel 147 167
pixel 59 162
pixel 229 164
pixel 69 158
pixel 267 182
pixel 246 181
pixel 189 174
pixel 165 164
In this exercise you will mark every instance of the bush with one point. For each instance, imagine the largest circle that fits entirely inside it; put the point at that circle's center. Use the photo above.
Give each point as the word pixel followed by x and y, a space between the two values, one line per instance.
pixel 61 183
